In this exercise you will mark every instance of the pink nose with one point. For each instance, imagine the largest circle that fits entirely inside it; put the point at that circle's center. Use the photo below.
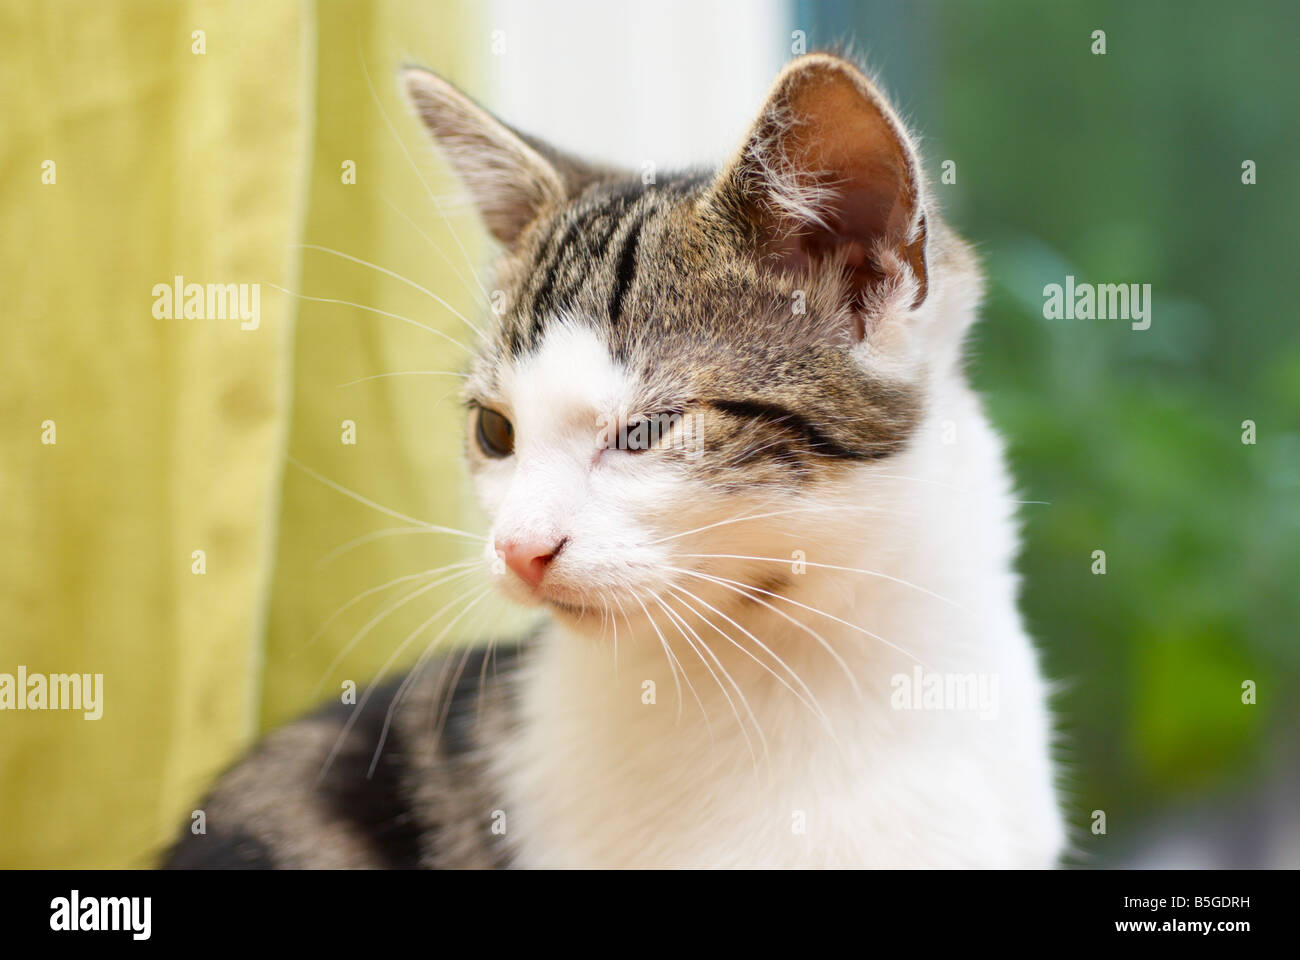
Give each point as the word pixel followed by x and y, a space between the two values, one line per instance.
pixel 529 558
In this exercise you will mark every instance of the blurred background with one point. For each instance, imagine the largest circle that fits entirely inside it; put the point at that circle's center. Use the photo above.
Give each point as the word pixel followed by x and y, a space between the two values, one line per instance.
pixel 219 520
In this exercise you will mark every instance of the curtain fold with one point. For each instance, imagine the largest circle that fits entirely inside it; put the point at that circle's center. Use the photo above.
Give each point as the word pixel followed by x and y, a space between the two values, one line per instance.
pixel 152 527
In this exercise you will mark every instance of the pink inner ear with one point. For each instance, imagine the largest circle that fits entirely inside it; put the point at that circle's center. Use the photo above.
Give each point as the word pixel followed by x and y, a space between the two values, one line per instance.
pixel 857 221
pixel 844 138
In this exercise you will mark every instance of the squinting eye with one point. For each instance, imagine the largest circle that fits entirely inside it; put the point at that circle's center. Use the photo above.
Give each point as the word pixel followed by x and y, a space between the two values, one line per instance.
pixel 644 433
pixel 496 436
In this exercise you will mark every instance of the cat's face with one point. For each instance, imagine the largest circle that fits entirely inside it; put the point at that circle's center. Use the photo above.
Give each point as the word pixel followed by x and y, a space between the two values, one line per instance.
pixel 686 375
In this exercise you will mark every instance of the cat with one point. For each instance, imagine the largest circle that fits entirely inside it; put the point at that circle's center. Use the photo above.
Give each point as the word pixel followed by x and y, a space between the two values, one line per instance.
pixel 723 434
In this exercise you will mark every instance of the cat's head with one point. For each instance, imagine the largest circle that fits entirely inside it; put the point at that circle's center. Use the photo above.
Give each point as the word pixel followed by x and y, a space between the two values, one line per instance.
pixel 695 370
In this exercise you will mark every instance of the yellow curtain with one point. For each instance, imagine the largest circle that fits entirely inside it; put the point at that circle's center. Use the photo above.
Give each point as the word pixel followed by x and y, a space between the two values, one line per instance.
pixel 155 526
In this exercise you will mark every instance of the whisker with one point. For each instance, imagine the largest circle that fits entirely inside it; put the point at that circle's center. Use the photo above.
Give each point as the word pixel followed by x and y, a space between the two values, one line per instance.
pixel 370 688
pixel 831 566
pixel 379 535
pixel 672 659
pixel 443 692
pixel 437 249
pixel 406 373
pixel 379 618
pixel 406 153
pixel 482 676
pixel 361 306
pixel 431 527
pixel 779 596
pixel 811 703
pixel 733 584
pixel 370 592
pixel 415 672
pixel 448 692
pixel 604 617
pixel 396 276
pixel 740 724
pixel 755 516
pixel 614 621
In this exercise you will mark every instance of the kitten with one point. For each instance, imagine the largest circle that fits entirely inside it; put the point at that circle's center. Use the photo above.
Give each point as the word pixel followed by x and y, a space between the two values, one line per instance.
pixel 722 431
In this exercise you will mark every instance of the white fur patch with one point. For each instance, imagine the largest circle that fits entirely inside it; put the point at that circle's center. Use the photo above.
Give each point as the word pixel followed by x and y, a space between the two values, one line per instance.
pixel 565 386
pixel 562 483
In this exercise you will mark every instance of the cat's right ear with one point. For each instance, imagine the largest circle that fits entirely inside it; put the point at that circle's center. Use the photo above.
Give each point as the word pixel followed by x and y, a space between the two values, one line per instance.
pixel 512 178
pixel 829 176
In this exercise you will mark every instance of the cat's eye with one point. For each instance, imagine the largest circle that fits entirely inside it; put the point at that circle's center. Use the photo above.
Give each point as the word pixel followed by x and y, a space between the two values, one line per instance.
pixel 496 435
pixel 644 433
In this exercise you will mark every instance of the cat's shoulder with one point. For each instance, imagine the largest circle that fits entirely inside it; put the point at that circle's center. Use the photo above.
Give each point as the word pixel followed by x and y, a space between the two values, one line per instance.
pixel 398 779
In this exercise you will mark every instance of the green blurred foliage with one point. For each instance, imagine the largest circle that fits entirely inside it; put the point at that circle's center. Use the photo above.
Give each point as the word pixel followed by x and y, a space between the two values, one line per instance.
pixel 1127 168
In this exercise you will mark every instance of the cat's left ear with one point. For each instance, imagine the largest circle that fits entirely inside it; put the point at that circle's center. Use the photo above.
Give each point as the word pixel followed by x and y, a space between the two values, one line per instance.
pixel 512 178
pixel 828 174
